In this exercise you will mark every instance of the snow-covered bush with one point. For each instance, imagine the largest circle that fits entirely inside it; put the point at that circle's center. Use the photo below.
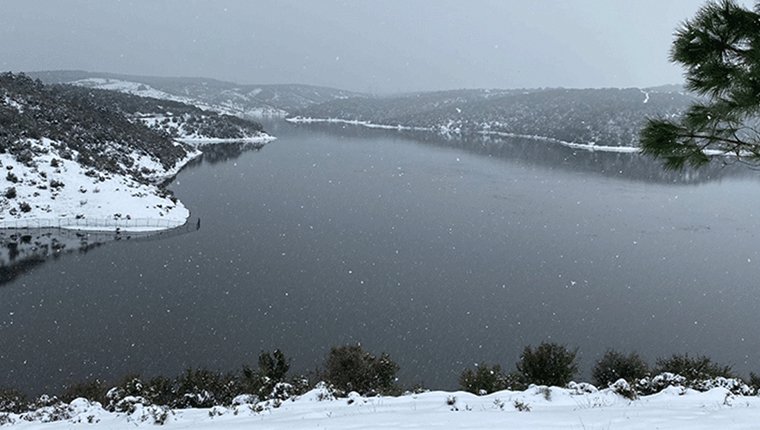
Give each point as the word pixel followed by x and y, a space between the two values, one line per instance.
pixel 324 392
pixel 615 365
pixel 13 401
pixel 697 373
pixel 581 388
pixel 126 396
pixel 282 391
pixel 693 368
pixel 655 384
pixel 245 399
pixel 5 418
pixel 154 414
pixel 623 388
pixel 485 379
pixel 734 385
pixel 659 382
pixel 47 409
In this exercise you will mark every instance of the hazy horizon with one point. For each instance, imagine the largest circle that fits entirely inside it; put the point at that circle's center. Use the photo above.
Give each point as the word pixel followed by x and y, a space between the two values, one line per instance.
pixel 375 47
pixel 387 93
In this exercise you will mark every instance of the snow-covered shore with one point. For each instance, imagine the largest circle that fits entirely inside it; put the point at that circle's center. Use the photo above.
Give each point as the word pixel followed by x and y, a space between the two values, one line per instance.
pixel 262 138
pixel 65 194
pixel 449 131
pixel 536 408
pixel 57 192
pixel 368 124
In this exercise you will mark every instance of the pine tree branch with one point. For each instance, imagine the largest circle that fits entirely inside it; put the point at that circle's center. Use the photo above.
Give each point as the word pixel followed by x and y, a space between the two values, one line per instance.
pixel 714 137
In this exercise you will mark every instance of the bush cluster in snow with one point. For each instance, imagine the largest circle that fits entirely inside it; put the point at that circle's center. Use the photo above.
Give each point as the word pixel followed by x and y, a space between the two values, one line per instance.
pixel 354 374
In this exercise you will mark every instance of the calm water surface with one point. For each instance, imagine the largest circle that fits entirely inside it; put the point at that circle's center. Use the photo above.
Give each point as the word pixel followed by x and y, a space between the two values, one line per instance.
pixel 437 255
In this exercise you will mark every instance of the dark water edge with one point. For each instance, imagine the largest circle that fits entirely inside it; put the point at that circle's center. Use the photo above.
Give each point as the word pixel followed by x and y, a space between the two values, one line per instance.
pixel 440 252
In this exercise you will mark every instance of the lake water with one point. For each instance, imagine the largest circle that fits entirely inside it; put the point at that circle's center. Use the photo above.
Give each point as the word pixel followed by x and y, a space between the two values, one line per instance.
pixel 439 253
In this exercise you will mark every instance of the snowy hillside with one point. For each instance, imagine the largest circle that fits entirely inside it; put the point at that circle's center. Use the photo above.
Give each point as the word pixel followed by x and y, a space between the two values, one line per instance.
pixel 91 159
pixel 592 118
pixel 536 408
pixel 50 191
pixel 181 121
pixel 208 94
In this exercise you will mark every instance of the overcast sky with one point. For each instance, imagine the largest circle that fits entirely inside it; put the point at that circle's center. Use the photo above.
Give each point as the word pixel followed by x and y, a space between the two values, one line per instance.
pixel 365 45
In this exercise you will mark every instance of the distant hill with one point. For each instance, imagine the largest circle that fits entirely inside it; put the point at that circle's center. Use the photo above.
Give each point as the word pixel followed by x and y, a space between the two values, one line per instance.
pixel 670 88
pixel 208 94
pixel 605 117
pixel 180 121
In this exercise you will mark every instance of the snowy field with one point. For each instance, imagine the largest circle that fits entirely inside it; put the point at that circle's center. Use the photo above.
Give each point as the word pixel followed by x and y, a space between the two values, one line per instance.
pixel 536 408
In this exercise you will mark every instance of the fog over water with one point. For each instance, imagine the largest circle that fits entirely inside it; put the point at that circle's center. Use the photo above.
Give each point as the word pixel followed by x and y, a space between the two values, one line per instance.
pixel 372 46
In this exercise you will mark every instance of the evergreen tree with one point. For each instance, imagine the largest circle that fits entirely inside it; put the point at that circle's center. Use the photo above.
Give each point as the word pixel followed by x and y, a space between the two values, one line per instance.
pixel 720 51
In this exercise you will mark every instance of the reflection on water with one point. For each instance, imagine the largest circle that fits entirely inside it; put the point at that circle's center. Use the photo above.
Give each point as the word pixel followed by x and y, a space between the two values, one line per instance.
pixel 222 152
pixel 21 250
pixel 554 156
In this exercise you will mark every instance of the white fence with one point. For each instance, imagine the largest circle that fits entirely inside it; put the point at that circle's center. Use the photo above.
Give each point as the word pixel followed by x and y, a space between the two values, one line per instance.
pixel 103 224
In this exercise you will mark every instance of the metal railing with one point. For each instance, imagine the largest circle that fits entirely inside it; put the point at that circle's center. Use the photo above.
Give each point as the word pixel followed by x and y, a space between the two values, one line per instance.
pixel 92 224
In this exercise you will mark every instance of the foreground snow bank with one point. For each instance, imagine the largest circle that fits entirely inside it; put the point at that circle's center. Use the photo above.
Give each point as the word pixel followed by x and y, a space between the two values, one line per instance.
pixel 51 191
pixel 535 408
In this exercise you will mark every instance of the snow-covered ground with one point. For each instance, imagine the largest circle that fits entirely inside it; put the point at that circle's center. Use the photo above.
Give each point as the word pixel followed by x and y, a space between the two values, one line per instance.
pixel 63 193
pixel 536 408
